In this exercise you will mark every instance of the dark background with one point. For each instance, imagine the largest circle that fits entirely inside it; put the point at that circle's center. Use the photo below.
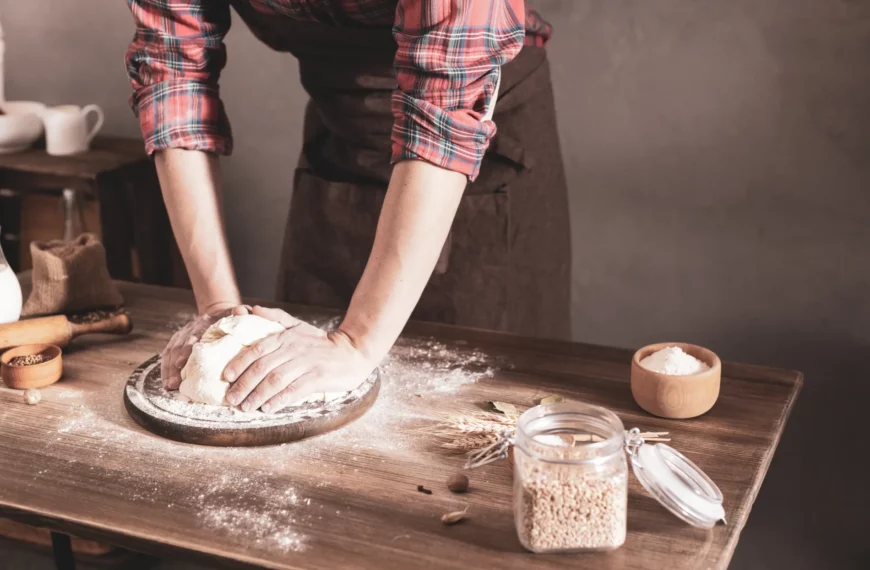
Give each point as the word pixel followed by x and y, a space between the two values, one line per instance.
pixel 718 157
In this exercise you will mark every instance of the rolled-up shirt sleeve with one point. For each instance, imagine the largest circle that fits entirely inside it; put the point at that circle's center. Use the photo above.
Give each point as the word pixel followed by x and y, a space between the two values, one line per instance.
pixel 447 66
pixel 174 63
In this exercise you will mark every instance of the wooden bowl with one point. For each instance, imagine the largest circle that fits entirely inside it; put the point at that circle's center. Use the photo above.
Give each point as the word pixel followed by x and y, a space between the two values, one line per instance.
pixel 35 375
pixel 676 397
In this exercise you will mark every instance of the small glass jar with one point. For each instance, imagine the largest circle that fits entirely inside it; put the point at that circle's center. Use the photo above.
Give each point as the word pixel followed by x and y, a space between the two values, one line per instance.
pixel 570 479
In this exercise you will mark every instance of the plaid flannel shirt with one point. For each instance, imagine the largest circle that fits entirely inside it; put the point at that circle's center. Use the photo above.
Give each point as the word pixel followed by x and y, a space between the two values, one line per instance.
pixel 447 65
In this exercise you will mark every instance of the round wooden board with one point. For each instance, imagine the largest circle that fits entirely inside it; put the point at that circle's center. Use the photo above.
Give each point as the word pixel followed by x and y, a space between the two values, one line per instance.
pixel 147 403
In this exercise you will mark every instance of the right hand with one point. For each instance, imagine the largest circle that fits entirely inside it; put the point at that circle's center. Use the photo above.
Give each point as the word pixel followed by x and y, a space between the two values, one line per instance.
pixel 175 355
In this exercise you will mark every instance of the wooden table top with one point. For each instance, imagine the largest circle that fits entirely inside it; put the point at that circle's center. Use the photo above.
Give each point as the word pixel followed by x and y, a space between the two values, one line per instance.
pixel 34 169
pixel 106 153
pixel 77 463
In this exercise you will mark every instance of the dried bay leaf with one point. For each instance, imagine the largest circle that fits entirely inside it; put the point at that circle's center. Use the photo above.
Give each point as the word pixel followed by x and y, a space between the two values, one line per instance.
pixel 454 517
pixel 506 409
pixel 554 399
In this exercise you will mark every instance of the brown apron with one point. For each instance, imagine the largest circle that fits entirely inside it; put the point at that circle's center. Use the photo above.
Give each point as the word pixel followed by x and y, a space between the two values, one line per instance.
pixel 506 263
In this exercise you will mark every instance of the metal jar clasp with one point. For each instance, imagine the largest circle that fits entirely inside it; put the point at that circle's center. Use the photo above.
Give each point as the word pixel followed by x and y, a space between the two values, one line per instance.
pixel 496 451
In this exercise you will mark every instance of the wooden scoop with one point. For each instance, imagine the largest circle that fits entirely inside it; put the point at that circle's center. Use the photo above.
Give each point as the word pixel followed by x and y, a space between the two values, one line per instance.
pixel 58 330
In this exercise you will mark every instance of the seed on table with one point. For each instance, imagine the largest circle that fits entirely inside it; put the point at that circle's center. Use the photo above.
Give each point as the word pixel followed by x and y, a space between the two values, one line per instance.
pixel 32 396
pixel 454 517
pixel 457 483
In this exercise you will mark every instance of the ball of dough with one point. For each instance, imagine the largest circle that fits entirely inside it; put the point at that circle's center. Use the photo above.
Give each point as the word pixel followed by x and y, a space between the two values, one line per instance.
pixel 202 378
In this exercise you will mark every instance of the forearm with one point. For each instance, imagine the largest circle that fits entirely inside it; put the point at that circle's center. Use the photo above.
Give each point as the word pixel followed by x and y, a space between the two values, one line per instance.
pixel 190 181
pixel 418 211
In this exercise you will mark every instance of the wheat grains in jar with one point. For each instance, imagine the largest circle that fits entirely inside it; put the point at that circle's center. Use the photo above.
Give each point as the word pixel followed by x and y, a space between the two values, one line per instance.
pixel 570 479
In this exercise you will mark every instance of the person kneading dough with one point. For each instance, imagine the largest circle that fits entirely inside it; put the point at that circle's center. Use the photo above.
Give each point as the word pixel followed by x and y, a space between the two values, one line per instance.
pixel 399 140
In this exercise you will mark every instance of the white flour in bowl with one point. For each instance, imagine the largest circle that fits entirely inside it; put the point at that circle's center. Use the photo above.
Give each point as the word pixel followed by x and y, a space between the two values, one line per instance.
pixel 673 360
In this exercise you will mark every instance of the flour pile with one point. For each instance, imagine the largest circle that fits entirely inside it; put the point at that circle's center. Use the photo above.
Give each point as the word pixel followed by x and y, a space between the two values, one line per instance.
pixel 673 360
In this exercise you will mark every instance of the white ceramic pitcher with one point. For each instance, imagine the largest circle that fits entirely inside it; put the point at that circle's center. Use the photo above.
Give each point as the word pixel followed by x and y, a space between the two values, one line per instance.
pixel 66 130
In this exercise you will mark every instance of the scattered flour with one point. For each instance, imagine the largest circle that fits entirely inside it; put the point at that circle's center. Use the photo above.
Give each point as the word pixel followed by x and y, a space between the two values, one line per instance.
pixel 674 361
pixel 271 525
pixel 262 497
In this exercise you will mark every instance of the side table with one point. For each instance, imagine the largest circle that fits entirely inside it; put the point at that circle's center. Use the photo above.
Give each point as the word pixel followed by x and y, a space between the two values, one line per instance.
pixel 117 173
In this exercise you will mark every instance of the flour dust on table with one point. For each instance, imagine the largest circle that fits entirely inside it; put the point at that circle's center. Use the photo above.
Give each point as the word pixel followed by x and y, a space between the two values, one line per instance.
pixel 244 493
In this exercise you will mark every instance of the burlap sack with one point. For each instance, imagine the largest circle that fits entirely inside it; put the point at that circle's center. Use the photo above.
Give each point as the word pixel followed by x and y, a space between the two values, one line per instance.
pixel 69 277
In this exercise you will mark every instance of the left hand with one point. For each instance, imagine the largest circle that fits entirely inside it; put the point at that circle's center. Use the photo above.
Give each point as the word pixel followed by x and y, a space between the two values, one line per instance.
pixel 290 366
pixel 175 355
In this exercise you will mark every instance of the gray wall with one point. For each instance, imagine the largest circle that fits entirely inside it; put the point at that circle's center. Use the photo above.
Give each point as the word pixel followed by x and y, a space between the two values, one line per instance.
pixel 718 155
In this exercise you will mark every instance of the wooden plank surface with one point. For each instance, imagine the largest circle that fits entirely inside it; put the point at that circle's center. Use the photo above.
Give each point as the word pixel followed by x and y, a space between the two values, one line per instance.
pixel 106 154
pixel 349 499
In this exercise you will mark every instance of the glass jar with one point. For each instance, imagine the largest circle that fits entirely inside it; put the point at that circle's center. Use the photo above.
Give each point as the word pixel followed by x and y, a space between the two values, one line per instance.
pixel 10 292
pixel 570 479
pixel 72 215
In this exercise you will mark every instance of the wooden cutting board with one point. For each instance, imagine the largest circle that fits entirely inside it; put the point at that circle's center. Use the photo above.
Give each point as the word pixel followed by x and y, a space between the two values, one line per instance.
pixel 160 412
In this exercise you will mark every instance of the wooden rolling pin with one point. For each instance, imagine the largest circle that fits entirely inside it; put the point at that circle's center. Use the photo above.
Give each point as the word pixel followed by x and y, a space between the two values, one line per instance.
pixel 59 330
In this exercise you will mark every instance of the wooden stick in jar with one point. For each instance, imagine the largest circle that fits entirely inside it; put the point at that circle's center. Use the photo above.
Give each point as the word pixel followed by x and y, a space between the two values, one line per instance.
pixel 647 436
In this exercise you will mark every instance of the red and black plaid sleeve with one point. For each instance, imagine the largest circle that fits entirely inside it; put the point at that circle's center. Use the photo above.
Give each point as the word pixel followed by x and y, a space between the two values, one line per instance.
pixel 447 67
pixel 174 62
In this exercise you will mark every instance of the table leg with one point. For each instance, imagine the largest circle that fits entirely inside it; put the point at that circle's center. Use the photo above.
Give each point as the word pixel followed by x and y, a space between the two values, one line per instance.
pixel 155 243
pixel 63 554
pixel 152 234
pixel 116 218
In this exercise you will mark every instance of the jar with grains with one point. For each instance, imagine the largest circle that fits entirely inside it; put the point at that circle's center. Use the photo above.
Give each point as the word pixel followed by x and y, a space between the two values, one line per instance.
pixel 570 479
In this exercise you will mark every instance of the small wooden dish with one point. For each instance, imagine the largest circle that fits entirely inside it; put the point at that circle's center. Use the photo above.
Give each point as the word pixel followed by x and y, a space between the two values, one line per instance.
pixel 34 375
pixel 676 397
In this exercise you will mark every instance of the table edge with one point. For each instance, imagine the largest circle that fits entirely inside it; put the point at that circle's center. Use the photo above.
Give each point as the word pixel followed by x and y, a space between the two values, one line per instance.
pixel 137 543
pixel 730 546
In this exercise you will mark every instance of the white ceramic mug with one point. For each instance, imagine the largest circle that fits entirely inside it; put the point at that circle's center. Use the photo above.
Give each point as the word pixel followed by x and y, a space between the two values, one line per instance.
pixel 66 130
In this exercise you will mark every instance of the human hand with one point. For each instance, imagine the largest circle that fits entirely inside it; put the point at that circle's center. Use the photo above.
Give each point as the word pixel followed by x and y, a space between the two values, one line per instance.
pixel 177 351
pixel 291 366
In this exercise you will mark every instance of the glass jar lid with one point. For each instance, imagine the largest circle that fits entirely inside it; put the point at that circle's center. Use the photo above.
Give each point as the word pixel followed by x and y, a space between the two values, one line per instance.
pixel 677 483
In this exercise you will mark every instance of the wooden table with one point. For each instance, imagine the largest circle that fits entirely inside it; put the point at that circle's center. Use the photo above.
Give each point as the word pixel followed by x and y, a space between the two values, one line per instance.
pixel 116 172
pixel 78 464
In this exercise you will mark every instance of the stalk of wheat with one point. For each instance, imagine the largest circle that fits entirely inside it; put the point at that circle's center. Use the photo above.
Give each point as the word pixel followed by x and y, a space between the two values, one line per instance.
pixel 462 433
